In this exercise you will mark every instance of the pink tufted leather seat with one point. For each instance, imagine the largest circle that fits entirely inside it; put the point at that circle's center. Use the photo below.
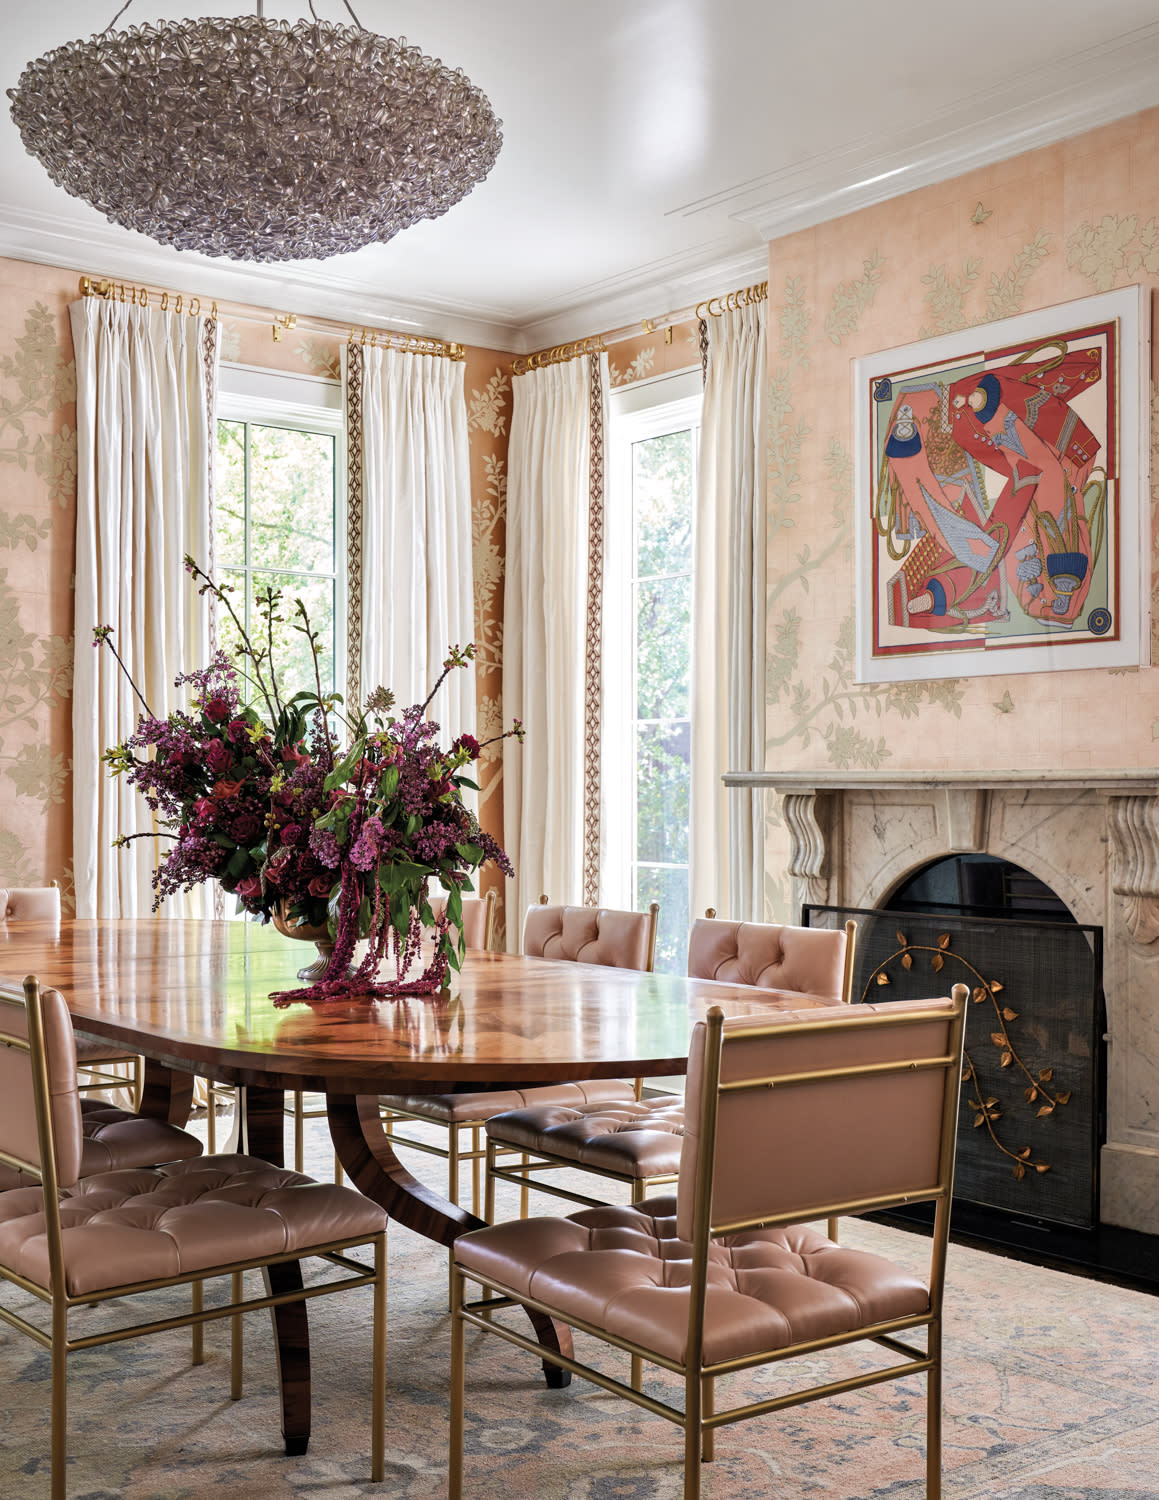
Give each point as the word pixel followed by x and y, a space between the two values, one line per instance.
pixel 577 934
pixel 590 935
pixel 90 1239
pixel 638 1141
pixel 726 1275
pixel 115 1140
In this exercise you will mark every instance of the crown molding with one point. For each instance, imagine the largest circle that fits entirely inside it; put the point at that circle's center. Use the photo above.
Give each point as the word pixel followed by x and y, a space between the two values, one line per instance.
pixel 652 289
pixel 1102 84
pixel 104 250
pixel 649 291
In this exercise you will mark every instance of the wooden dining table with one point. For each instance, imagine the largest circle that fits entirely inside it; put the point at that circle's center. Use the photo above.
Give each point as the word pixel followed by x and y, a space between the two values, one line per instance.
pixel 195 997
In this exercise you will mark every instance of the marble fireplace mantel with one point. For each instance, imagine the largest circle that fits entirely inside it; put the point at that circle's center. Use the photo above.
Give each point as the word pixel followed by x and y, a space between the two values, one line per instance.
pixel 1091 835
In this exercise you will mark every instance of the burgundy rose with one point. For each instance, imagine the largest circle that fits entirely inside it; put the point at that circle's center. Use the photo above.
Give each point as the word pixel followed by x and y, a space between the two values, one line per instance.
pixel 469 743
pixel 238 732
pixel 218 757
pixel 250 888
pixel 216 708
pixel 320 887
pixel 292 833
pixel 226 791
pixel 204 810
pixel 246 826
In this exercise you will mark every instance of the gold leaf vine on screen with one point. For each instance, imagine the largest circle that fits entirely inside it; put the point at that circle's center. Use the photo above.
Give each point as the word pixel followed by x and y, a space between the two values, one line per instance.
pixel 987 1108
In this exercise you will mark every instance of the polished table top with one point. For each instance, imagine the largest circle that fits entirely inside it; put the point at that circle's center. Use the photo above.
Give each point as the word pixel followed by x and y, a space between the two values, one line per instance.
pixel 196 995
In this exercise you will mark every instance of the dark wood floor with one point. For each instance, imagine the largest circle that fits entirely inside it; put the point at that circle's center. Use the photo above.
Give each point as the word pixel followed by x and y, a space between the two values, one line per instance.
pixel 1123 1257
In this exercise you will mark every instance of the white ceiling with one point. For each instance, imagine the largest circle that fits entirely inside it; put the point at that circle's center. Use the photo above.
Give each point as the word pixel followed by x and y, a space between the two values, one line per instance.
pixel 651 147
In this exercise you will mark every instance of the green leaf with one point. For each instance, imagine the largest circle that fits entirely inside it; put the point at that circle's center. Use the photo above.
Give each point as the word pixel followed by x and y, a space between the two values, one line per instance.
pixel 465 781
pixel 346 766
pixel 472 853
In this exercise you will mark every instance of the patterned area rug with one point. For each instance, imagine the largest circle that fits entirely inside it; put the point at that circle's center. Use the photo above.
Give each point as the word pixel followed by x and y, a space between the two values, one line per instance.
pixel 1052 1393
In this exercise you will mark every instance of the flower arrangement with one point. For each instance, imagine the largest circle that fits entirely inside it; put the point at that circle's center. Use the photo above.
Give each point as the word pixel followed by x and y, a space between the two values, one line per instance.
pixel 264 797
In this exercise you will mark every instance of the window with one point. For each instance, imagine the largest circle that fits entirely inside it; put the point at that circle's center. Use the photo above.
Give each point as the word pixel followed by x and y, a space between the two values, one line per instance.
pixel 278 512
pixel 655 432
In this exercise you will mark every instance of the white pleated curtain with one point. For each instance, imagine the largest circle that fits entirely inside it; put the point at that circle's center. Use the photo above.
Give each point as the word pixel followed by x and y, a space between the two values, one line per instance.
pixel 413 556
pixel 552 466
pixel 728 691
pixel 145 445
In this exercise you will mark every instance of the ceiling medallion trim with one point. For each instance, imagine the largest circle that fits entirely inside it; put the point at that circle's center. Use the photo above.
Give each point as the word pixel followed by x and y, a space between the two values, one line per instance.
pixel 256 140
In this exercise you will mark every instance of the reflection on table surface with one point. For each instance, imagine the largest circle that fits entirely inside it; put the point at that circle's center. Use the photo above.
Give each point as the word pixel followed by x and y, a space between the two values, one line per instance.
pixel 202 989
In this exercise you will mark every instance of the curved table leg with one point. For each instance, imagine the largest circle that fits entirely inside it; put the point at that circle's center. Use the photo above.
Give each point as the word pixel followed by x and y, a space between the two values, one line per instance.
pixel 292 1339
pixel 259 1124
pixel 166 1094
pixel 370 1162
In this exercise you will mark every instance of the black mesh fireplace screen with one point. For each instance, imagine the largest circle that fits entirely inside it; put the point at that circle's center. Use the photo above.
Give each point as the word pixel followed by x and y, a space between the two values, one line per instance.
pixel 1032 1082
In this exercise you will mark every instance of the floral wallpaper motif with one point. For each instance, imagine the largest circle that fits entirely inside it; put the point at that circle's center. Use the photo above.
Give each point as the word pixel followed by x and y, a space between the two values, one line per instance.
pixel 931 264
pixel 38 448
pixel 489 401
pixel 648 354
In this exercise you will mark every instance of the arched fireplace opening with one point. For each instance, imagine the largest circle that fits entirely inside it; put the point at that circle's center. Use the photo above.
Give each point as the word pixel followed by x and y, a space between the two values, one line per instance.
pixel 978 885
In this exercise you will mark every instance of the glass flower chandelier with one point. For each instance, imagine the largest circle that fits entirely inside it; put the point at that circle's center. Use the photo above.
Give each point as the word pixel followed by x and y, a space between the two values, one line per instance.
pixel 255 139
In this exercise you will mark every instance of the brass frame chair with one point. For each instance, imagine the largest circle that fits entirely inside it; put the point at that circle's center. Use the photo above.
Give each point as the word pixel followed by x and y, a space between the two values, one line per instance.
pixel 436 1109
pixel 38 1078
pixel 588 1137
pixel 886 1081
pixel 96 1059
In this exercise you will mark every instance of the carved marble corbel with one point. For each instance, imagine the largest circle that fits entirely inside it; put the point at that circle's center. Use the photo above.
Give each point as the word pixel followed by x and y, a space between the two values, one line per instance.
pixel 1133 824
pixel 809 850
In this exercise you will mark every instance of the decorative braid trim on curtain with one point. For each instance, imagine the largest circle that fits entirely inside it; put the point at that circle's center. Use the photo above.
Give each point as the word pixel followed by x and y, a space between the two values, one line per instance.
pixel 593 644
pixel 352 391
pixel 411 590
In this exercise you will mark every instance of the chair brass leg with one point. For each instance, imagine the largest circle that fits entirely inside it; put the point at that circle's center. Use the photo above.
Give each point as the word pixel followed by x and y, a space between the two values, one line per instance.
pixel 831 1228
pixel 378 1375
pixel 489 1184
pixel 693 1434
pixel 236 1342
pixel 59 1417
pixel 475 1172
pixel 934 1415
pixel 211 1116
pixel 453 1164
pixel 197 1331
pixel 337 1170
pixel 458 1363
pixel 637 1376
pixel 708 1401
pixel 299 1132
pixel 524 1160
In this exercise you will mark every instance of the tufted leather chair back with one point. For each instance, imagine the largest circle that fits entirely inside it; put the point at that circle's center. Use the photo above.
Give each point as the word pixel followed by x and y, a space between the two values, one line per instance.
pixel 19 1136
pixel 810 1147
pixel 807 960
pixel 30 904
pixel 592 935
pixel 478 918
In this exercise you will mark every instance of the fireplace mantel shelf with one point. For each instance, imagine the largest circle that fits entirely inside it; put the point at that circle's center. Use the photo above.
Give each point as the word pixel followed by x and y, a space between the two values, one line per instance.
pixel 1138 782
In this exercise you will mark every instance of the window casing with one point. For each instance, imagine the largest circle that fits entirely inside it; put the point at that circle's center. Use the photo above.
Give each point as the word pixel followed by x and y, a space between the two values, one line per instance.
pixel 655 434
pixel 279 511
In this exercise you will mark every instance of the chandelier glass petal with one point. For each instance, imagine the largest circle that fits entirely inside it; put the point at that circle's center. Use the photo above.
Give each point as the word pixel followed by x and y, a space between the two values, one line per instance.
pixel 254 139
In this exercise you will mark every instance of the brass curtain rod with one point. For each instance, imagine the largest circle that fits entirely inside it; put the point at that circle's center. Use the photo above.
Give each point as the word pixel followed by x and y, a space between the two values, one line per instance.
pixel 559 355
pixel 712 307
pixel 280 324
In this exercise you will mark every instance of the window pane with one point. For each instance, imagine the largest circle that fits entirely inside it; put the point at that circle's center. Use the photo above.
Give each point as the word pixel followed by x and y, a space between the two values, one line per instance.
pixel 229 495
pixel 670 889
pixel 662 493
pixel 292 660
pixel 663 613
pixel 663 753
pixel 291 499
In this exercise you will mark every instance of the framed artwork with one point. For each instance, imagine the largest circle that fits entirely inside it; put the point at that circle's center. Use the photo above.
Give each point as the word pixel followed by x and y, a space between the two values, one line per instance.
pixel 1003 506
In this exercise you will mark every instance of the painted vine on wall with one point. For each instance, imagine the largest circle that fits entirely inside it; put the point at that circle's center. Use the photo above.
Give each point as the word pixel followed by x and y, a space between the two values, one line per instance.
pixel 37 389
